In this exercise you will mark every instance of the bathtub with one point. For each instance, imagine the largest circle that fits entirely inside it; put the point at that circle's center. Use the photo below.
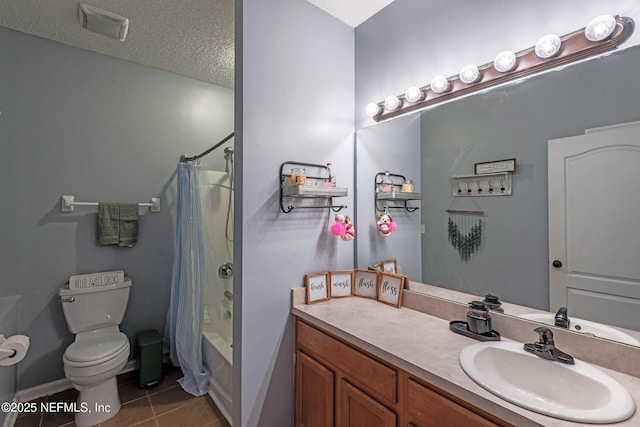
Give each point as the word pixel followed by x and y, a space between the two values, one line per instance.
pixel 217 354
pixel 217 207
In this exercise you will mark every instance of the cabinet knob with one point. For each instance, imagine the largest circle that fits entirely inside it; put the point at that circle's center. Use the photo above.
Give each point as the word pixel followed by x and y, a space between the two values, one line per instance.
pixel 557 263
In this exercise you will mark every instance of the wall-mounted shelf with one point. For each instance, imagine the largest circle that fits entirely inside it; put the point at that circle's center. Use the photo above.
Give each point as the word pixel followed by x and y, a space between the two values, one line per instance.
pixel 399 195
pixel 482 185
pixel 315 187
pixel 313 191
pixel 395 193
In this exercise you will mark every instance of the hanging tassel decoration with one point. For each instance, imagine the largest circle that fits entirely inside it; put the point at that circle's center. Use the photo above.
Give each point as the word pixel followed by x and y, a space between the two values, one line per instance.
pixel 465 242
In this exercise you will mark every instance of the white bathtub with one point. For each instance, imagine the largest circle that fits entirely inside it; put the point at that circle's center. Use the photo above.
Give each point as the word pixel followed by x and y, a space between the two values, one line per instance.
pixel 217 355
pixel 217 205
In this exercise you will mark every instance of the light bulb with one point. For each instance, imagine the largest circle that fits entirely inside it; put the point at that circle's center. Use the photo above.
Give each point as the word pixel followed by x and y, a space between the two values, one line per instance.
pixel 440 84
pixel 469 74
pixel 548 46
pixel 392 103
pixel 414 94
pixel 372 109
pixel 505 61
pixel 600 27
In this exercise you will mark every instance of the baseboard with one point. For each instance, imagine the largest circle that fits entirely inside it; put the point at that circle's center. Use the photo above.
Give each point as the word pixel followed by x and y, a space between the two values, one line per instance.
pixel 57 386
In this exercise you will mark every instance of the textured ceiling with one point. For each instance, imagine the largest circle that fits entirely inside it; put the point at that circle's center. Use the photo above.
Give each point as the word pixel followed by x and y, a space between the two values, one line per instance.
pixel 192 38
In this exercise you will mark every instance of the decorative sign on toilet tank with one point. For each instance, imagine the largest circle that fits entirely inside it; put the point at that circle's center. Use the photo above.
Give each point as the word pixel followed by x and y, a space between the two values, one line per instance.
pixel 90 280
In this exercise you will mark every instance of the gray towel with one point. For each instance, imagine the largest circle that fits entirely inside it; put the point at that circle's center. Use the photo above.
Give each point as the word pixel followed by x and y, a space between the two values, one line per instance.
pixel 117 223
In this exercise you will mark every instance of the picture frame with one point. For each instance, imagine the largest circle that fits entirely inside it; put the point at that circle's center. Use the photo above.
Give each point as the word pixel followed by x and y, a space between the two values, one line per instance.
pixel 390 288
pixel 495 166
pixel 317 287
pixel 389 266
pixel 365 283
pixel 341 283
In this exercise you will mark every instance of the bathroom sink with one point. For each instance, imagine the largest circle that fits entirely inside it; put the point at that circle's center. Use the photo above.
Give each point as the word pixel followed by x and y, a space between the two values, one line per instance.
pixel 585 327
pixel 579 392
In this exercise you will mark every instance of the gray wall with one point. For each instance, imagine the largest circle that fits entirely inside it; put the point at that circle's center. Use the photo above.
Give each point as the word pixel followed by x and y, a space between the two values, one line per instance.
pixel 296 91
pixel 393 146
pixel 102 129
pixel 516 121
pixel 411 41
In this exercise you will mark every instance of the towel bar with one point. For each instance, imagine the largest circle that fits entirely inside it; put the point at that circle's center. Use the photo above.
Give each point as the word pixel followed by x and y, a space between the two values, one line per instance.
pixel 67 204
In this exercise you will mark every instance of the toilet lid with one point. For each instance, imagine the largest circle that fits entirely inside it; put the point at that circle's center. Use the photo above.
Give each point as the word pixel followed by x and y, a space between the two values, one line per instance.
pixel 97 347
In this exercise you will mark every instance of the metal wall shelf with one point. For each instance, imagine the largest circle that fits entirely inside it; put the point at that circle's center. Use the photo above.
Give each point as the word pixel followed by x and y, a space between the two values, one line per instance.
pixel 395 194
pixel 314 189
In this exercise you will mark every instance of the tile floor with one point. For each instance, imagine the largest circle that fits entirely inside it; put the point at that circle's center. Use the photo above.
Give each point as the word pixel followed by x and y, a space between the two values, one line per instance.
pixel 165 405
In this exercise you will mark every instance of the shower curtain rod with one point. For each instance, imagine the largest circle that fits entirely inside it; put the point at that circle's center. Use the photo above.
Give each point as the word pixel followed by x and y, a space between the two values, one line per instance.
pixel 185 159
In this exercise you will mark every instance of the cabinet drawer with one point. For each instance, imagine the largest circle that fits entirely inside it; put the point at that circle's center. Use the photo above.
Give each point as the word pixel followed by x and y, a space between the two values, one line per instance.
pixel 368 374
pixel 427 408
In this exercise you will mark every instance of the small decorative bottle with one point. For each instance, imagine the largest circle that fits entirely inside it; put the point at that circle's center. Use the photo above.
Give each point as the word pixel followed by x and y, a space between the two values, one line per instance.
pixel 331 179
pixel 386 185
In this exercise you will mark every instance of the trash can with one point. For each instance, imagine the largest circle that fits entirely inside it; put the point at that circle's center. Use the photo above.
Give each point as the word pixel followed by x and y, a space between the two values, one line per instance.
pixel 149 350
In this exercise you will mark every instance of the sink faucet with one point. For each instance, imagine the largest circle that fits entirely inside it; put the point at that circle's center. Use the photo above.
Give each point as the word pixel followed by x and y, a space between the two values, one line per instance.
pixel 546 348
pixel 561 318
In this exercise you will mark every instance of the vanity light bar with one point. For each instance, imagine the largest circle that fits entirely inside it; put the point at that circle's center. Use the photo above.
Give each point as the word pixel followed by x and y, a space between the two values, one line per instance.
pixel 574 47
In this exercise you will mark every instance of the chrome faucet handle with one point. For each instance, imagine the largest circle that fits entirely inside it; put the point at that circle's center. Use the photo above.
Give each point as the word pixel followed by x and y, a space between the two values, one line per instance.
pixel 546 349
pixel 545 336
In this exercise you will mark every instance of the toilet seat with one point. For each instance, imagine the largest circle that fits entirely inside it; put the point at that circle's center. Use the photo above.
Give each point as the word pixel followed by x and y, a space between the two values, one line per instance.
pixel 94 350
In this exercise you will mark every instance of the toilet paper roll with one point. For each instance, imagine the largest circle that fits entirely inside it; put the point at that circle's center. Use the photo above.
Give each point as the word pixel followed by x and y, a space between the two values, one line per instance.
pixel 17 343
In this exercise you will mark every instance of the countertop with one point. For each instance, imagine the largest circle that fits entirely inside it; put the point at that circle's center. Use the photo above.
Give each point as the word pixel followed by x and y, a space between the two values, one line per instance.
pixel 424 346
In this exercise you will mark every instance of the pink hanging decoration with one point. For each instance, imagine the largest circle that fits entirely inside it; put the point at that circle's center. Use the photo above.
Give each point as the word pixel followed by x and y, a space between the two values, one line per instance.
pixel 339 227
pixel 350 232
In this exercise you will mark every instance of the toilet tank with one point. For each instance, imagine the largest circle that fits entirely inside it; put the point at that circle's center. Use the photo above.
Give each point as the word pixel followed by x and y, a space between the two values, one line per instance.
pixel 94 308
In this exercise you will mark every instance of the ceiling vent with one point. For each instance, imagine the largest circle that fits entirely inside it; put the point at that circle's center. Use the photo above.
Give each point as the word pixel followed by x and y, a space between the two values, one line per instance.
pixel 103 22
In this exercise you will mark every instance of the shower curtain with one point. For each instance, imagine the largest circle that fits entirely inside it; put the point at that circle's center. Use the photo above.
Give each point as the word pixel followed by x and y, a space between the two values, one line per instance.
pixel 186 310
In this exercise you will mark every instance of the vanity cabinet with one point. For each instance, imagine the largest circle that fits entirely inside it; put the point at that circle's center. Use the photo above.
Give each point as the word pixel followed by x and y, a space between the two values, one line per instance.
pixel 427 407
pixel 338 384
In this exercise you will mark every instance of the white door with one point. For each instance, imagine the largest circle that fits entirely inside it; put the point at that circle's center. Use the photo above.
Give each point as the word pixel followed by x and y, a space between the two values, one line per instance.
pixel 594 225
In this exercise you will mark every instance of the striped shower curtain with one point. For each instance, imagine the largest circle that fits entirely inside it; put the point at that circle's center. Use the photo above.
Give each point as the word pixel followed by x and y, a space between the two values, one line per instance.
pixel 186 310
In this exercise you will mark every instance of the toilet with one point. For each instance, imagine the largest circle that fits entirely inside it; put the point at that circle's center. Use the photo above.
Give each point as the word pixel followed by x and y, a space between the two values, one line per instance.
pixel 99 352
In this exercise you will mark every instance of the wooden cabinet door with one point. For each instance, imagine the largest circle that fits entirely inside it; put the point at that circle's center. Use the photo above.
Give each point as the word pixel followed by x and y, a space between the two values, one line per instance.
pixel 314 393
pixel 427 408
pixel 359 410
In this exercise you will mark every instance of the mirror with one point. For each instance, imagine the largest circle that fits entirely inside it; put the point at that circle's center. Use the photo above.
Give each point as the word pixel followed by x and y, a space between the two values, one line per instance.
pixel 514 121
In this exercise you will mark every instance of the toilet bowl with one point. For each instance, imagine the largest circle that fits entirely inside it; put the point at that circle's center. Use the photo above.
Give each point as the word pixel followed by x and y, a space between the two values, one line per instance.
pixel 99 352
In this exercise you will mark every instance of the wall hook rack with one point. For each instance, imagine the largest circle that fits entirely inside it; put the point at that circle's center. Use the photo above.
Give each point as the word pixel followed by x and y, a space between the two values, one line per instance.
pixel 392 193
pixel 482 185
pixel 313 187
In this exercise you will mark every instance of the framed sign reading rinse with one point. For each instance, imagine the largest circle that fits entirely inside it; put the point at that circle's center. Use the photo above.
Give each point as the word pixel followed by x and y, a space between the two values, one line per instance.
pixel 495 166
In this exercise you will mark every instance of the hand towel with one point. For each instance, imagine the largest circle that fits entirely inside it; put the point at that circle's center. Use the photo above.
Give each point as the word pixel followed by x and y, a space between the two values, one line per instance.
pixel 117 223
